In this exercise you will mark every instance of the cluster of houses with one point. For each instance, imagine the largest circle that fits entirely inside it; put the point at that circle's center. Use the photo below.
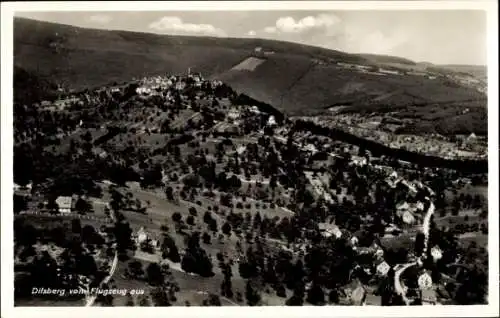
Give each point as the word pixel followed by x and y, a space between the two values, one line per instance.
pixel 369 69
pixel 157 85
pixel 260 50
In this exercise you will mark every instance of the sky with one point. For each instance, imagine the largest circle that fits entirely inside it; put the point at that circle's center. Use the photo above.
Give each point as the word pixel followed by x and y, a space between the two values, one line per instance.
pixel 438 36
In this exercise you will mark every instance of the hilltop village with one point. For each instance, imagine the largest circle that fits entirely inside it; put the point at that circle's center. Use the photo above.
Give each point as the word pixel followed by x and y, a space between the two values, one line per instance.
pixel 180 189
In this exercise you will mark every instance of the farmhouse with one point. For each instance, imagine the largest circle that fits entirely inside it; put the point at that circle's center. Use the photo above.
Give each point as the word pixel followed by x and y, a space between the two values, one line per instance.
pixel 386 71
pixel 436 253
pixel 141 235
pixel 383 268
pixel 271 121
pixel 233 114
pixel 65 204
pixel 328 230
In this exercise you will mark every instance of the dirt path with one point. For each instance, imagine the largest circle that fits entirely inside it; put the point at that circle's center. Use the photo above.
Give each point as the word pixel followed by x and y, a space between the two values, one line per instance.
pixel 91 299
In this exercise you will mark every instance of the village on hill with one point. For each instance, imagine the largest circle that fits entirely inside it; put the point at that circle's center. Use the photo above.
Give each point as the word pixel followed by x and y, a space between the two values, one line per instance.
pixel 176 190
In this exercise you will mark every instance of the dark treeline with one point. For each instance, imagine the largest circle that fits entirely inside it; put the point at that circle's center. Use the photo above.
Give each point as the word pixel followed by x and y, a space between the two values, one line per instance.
pixel 29 88
pixel 377 149
pixel 243 99
pixel 112 132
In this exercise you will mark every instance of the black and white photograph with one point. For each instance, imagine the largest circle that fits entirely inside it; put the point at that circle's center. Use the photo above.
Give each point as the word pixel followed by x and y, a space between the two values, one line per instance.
pixel 225 157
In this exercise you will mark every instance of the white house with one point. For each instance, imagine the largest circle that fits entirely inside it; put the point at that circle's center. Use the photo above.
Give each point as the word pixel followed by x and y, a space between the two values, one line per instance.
pixel 142 235
pixel 354 240
pixel 408 217
pixel 383 268
pixel 143 90
pixel 241 149
pixel 180 85
pixel 255 110
pixel 233 114
pixel 436 253
pixel 328 230
pixel 425 281
pixel 64 204
pixel 271 121
pixel 385 71
pixel 379 253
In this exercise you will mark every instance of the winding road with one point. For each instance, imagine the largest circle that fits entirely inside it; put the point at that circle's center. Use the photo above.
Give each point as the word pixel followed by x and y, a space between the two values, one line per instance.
pixel 398 286
pixel 91 299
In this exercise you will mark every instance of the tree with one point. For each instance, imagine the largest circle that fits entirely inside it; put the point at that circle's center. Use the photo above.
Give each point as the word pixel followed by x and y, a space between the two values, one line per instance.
pixel 192 211
pixel 316 296
pixel 176 217
pixel 76 226
pixel 52 206
pixel 207 217
pixel 154 274
pixel 213 225
pixel 159 297
pixel 333 296
pixel 190 220
pixel 123 233
pixel 252 296
pixel 226 229
pixel 297 298
pixel 226 285
pixel 135 269
pixel 88 233
pixel 195 259
pixel 169 249
pixel 20 203
pixel 169 192
pixel 144 301
pixel 82 206
pixel 212 300
pixel 130 301
pixel 419 243
pixel 206 238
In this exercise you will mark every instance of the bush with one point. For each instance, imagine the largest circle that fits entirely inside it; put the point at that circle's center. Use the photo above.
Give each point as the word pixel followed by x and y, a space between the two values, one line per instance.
pixel 176 217
pixel 192 211
pixel 226 229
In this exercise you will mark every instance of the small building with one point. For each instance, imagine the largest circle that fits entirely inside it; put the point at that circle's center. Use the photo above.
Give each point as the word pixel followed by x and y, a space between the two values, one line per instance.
pixel 425 281
pixel 429 297
pixel 436 253
pixel 255 110
pixel 65 204
pixel 241 149
pixel 472 137
pixel 271 121
pixel 379 253
pixel 180 85
pixel 310 148
pixel 383 268
pixel 142 235
pixel 386 71
pixel 328 230
pixel 354 240
pixel 233 114
pixel 408 217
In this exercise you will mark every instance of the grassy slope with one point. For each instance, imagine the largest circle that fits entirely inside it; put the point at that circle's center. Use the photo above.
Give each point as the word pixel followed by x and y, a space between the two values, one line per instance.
pixel 288 79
